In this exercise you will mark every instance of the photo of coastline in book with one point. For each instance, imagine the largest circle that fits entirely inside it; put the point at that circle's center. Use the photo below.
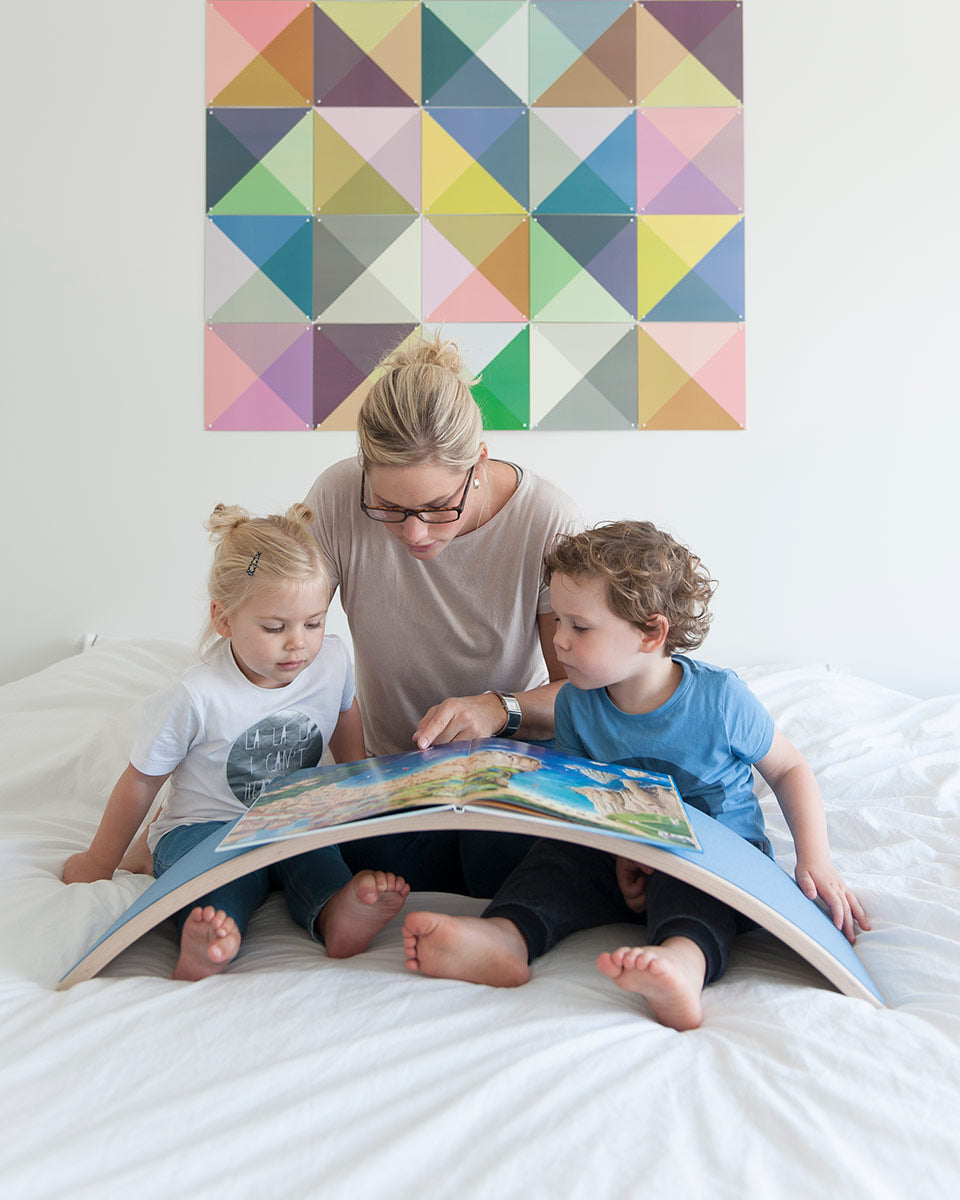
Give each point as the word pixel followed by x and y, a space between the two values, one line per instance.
pixel 493 774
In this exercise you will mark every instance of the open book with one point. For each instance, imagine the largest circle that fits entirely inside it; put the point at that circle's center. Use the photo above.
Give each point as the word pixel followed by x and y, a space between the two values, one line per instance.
pixel 494 775
pixel 497 786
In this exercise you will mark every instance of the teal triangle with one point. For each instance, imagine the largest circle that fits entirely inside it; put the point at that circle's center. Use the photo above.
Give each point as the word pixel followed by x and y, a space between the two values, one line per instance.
pixel 443 54
pixel 291 268
pixel 583 191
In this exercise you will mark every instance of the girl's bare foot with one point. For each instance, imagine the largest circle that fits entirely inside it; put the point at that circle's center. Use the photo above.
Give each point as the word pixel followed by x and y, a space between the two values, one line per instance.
pixel 487 950
pixel 669 977
pixel 209 942
pixel 351 917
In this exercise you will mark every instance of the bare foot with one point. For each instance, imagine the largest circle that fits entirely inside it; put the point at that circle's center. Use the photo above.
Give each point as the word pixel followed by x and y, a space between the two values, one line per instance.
pixel 209 942
pixel 351 917
pixel 487 950
pixel 669 977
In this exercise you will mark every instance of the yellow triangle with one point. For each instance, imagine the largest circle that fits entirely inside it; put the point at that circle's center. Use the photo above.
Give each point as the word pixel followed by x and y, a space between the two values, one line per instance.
pixel 335 162
pixel 444 161
pixel 368 23
pixel 660 377
pixel 659 267
pixel 476 191
pixel 691 237
pixel 691 86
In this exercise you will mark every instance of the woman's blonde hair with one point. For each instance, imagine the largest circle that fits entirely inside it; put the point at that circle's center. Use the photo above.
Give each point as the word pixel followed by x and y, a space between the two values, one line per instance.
pixel 421 410
pixel 646 573
pixel 258 552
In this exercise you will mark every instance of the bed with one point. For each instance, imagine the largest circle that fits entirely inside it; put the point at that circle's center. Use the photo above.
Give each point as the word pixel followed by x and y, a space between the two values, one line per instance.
pixel 291 1075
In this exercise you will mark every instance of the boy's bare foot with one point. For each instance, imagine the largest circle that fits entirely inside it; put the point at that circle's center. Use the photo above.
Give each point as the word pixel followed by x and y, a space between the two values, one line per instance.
pixel 209 942
pixel 487 950
pixel 351 917
pixel 669 977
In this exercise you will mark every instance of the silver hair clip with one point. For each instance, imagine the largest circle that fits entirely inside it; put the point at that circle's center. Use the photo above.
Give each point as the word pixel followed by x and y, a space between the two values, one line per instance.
pixel 251 570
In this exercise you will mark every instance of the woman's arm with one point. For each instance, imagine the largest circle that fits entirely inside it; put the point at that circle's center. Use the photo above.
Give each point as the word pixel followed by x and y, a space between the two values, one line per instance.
pixel 346 741
pixel 795 786
pixel 468 717
pixel 129 803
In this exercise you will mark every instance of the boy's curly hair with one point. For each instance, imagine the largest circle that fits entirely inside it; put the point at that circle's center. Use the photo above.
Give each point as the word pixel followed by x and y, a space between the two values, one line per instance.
pixel 647 573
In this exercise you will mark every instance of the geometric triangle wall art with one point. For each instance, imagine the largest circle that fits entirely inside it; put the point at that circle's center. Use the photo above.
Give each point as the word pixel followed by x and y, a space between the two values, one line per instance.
pixel 367 53
pixel 259 376
pixel 345 362
pixel 690 53
pixel 474 55
pixel 583 53
pixel 690 375
pixel 585 376
pixel 259 52
pixel 556 184
pixel 497 356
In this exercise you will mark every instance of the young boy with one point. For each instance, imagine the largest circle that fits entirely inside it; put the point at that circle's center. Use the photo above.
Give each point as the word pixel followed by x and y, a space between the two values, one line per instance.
pixel 626 598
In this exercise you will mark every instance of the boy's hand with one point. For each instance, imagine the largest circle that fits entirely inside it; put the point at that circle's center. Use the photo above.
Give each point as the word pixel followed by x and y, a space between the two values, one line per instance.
pixel 824 882
pixel 632 880
pixel 84 868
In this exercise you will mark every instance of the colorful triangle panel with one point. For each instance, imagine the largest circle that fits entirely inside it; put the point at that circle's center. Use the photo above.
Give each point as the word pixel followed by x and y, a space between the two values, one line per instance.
pixel 556 183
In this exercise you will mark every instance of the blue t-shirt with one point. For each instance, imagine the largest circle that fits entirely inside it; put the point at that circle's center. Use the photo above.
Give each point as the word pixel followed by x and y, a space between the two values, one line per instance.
pixel 707 736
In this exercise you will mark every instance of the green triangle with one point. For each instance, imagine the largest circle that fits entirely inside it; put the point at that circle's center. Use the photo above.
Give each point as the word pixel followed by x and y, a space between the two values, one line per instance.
pixel 551 267
pixel 291 161
pixel 257 193
pixel 583 299
pixel 259 300
pixel 503 392
pixel 367 192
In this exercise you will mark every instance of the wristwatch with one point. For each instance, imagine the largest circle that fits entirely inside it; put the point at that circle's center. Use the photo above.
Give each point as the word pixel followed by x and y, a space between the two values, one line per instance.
pixel 514 714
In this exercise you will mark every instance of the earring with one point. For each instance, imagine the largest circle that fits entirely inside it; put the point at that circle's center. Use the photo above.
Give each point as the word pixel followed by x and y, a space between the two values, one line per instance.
pixel 476 482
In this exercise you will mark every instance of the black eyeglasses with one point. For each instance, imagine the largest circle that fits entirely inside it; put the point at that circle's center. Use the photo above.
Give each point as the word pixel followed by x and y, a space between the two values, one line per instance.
pixel 429 516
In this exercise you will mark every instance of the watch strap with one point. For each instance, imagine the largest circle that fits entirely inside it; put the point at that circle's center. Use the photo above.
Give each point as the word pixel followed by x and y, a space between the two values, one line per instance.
pixel 514 714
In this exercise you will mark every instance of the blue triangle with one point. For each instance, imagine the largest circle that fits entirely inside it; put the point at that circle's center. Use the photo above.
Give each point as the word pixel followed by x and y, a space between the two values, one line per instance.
pixel 615 161
pixel 260 237
pixel 722 269
pixel 691 300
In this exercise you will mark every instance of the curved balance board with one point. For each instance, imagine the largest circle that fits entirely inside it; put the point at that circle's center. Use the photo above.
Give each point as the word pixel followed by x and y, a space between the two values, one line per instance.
pixel 728 868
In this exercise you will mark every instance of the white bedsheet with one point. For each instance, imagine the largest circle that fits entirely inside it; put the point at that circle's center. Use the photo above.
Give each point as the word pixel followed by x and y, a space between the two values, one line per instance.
pixel 294 1076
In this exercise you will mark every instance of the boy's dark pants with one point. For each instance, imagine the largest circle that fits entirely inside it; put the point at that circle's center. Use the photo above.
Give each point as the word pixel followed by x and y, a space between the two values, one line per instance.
pixel 560 888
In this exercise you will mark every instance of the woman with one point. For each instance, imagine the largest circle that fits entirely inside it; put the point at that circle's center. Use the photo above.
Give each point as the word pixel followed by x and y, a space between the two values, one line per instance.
pixel 437 550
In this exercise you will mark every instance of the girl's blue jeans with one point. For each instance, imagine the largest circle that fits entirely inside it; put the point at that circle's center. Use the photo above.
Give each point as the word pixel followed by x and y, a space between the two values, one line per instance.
pixel 307 880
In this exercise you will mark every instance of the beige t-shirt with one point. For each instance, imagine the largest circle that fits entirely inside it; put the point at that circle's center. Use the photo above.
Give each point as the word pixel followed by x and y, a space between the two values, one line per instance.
pixel 458 625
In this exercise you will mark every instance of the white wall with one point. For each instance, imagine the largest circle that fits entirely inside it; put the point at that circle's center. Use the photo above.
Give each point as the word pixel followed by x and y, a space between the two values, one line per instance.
pixel 830 522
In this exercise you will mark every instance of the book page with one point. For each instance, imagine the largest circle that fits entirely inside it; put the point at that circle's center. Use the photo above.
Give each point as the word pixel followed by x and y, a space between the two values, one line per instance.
pixel 532 779
pixel 335 795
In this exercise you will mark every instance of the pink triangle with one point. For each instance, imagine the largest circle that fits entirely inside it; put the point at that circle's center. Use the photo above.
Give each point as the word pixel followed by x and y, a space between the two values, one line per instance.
pixel 259 21
pixel 258 408
pixel 658 161
pixel 444 267
pixel 724 378
pixel 691 344
pixel 227 376
pixel 227 53
pixel 476 299
pixel 690 129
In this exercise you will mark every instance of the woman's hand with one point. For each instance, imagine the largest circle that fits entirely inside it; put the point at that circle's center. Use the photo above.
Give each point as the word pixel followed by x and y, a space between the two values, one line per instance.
pixel 460 718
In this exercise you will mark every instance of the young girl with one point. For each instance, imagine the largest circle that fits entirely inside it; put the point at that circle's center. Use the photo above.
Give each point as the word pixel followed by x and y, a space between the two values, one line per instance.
pixel 267 696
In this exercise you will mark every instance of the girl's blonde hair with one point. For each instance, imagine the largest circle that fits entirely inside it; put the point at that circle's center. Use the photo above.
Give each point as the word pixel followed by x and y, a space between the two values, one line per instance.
pixel 421 410
pixel 258 552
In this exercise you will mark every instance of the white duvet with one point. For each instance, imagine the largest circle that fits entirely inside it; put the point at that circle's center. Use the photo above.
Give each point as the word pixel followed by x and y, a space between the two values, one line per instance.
pixel 294 1076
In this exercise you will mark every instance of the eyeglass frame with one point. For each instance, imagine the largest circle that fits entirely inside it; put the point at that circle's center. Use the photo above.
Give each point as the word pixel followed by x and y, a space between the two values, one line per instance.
pixel 416 512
